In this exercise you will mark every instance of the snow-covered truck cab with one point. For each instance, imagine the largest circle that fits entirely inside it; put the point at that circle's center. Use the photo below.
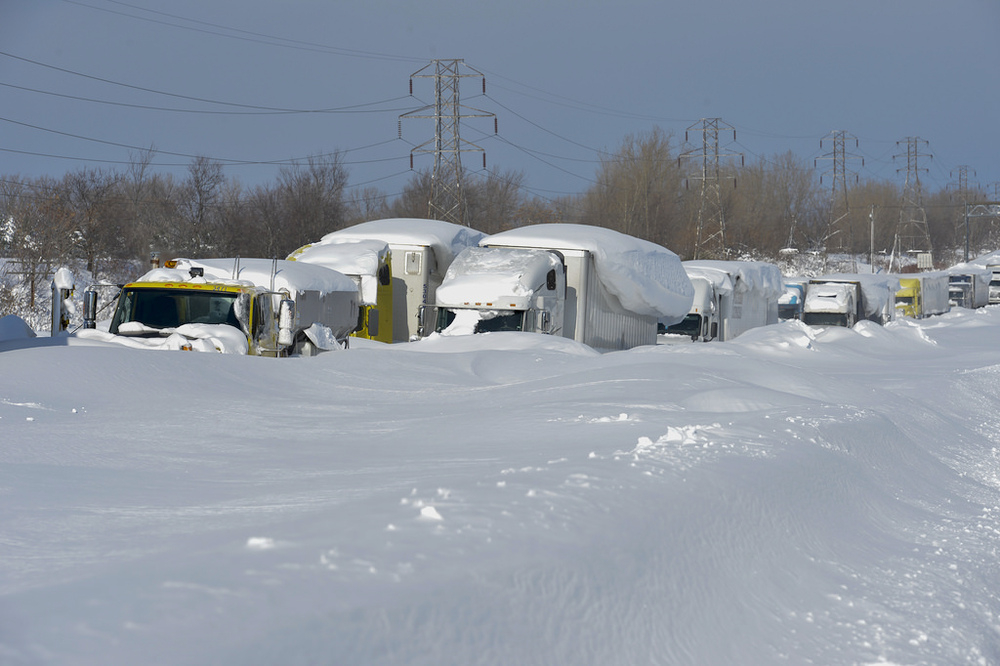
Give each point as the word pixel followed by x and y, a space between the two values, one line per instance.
pixel 700 322
pixel 502 289
pixel 243 306
pixel 831 304
pixel 369 264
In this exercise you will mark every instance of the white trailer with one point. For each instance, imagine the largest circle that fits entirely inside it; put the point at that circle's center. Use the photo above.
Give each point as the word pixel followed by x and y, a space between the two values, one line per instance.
pixel 933 293
pixel 421 251
pixel 247 306
pixel 606 288
pixel 731 297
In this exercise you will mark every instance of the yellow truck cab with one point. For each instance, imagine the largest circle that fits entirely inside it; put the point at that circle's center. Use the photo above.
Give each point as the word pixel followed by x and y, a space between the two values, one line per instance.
pixel 242 306
pixel 908 299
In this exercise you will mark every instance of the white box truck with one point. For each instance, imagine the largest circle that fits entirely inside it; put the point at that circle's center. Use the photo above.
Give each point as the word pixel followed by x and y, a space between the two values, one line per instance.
pixel 730 298
pixel 421 251
pixel 922 294
pixel 590 284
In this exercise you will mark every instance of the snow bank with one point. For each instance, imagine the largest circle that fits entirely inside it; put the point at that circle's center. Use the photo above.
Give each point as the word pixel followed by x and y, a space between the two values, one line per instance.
pixel 494 275
pixel 445 238
pixel 745 276
pixel 292 275
pixel 647 278
pixel 13 327
pixel 359 259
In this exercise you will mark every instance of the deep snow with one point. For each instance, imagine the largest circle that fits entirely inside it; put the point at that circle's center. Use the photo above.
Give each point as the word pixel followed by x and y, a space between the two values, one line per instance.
pixel 798 495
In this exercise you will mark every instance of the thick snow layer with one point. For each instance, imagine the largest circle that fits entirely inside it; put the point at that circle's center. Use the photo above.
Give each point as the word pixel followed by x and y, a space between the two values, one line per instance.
pixel 195 337
pixel 878 290
pixel 796 496
pixel 359 259
pixel 291 275
pixel 13 327
pixel 63 279
pixel 445 238
pixel 747 276
pixel 647 279
pixel 492 275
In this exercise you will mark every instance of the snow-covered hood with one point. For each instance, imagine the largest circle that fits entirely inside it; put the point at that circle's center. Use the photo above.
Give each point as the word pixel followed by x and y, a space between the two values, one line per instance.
pixel 505 278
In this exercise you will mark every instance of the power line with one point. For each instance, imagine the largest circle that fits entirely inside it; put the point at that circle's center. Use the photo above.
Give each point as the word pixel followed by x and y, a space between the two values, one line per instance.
pixel 243 35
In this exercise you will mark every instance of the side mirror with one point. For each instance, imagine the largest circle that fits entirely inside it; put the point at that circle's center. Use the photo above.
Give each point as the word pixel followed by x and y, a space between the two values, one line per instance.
pixel 286 322
pixel 543 321
pixel 90 308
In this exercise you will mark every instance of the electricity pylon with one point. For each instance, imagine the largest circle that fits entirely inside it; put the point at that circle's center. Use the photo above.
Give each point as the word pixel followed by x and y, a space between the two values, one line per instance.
pixel 840 206
pixel 711 237
pixel 912 234
pixel 447 200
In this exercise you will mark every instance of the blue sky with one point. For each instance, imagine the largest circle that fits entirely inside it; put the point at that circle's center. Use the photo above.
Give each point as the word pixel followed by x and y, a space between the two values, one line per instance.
pixel 254 83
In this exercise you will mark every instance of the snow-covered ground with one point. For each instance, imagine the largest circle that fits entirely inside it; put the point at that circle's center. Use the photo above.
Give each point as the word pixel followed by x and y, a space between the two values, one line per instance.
pixel 824 496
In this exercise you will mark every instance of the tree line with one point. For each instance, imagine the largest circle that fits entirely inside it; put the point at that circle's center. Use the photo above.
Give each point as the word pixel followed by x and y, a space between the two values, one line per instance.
pixel 108 222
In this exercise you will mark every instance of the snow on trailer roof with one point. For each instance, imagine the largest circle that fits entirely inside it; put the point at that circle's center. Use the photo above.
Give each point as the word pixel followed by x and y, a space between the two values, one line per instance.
pixel 878 289
pixel 359 259
pixel 291 275
pixel 647 278
pixel 491 274
pixel 757 276
pixel 445 238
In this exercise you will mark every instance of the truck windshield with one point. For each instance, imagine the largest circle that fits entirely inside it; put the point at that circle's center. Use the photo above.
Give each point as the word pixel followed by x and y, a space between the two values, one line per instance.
pixel 491 320
pixel 690 326
pixel 504 321
pixel 169 308
pixel 904 300
pixel 788 311
pixel 824 319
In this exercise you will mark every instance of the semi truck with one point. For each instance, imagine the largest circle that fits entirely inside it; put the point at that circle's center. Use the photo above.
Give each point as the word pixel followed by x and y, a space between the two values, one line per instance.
pixel 994 289
pixel 922 294
pixel 968 286
pixel 369 264
pixel 245 306
pixel 730 298
pixel 846 299
pixel 599 287
pixel 420 253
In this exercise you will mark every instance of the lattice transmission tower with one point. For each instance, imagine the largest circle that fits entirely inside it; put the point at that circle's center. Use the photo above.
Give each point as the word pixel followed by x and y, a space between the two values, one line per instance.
pixel 912 234
pixel 840 206
pixel 963 194
pixel 447 201
pixel 710 240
